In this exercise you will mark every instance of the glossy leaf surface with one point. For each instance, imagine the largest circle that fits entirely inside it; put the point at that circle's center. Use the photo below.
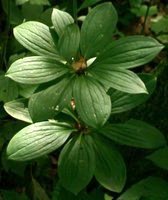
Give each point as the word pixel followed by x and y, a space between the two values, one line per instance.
pixel 92 103
pixel 135 133
pixel 36 140
pixel 36 70
pixel 77 163
pixel 110 167
pixel 37 38
pixel 97 29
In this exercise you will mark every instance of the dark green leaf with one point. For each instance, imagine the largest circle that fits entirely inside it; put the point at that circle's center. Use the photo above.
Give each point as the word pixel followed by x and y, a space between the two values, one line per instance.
pixel 60 20
pixel 37 38
pixel 92 102
pixel 128 52
pixel 11 195
pixel 18 110
pixel 68 43
pixel 31 12
pixel 77 163
pixel 8 89
pixel 88 3
pixel 119 79
pixel 47 103
pixel 37 139
pixel 160 158
pixel 14 14
pixel 150 187
pixel 36 70
pixel 38 192
pixel 97 29
pixel 110 167
pixel 134 133
pixel 124 101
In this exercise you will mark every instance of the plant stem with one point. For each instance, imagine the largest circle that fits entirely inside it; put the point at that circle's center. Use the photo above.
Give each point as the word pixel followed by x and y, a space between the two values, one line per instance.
pixel 146 16
pixel 75 10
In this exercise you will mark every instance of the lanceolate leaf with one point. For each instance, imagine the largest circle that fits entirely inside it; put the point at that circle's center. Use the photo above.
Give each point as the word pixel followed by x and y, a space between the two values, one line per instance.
pixel 119 79
pixel 134 133
pixel 68 43
pixel 37 38
pixel 47 103
pixel 151 187
pixel 77 163
pixel 37 139
pixel 92 103
pixel 110 167
pixel 97 29
pixel 60 20
pixel 123 101
pixel 160 158
pixel 36 70
pixel 129 52
pixel 17 109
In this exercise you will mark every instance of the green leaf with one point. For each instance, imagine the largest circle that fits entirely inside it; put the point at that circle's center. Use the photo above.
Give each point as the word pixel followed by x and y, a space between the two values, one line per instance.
pixel 8 89
pixel 18 110
pixel 160 158
pixel 60 20
pixel 124 101
pixel 159 24
pixel 77 163
pixel 88 3
pixel 38 192
pixel 68 43
pixel 13 12
pixel 119 79
pixel 36 70
pixel 11 195
pixel 47 103
pixel 97 29
pixel 92 103
pixel 141 10
pixel 37 139
pixel 31 12
pixel 21 2
pixel 150 187
pixel 134 133
pixel 37 38
pixel 40 2
pixel 110 169
pixel 128 52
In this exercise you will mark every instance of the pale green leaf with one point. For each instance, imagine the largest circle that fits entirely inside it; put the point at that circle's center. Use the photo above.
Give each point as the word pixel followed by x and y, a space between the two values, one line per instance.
pixel 92 103
pixel 17 109
pixel 60 20
pixel 68 43
pixel 77 163
pixel 124 101
pixel 134 133
pixel 97 29
pixel 119 79
pixel 160 158
pixel 47 103
pixel 128 52
pixel 37 38
pixel 151 187
pixel 37 139
pixel 110 169
pixel 36 70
